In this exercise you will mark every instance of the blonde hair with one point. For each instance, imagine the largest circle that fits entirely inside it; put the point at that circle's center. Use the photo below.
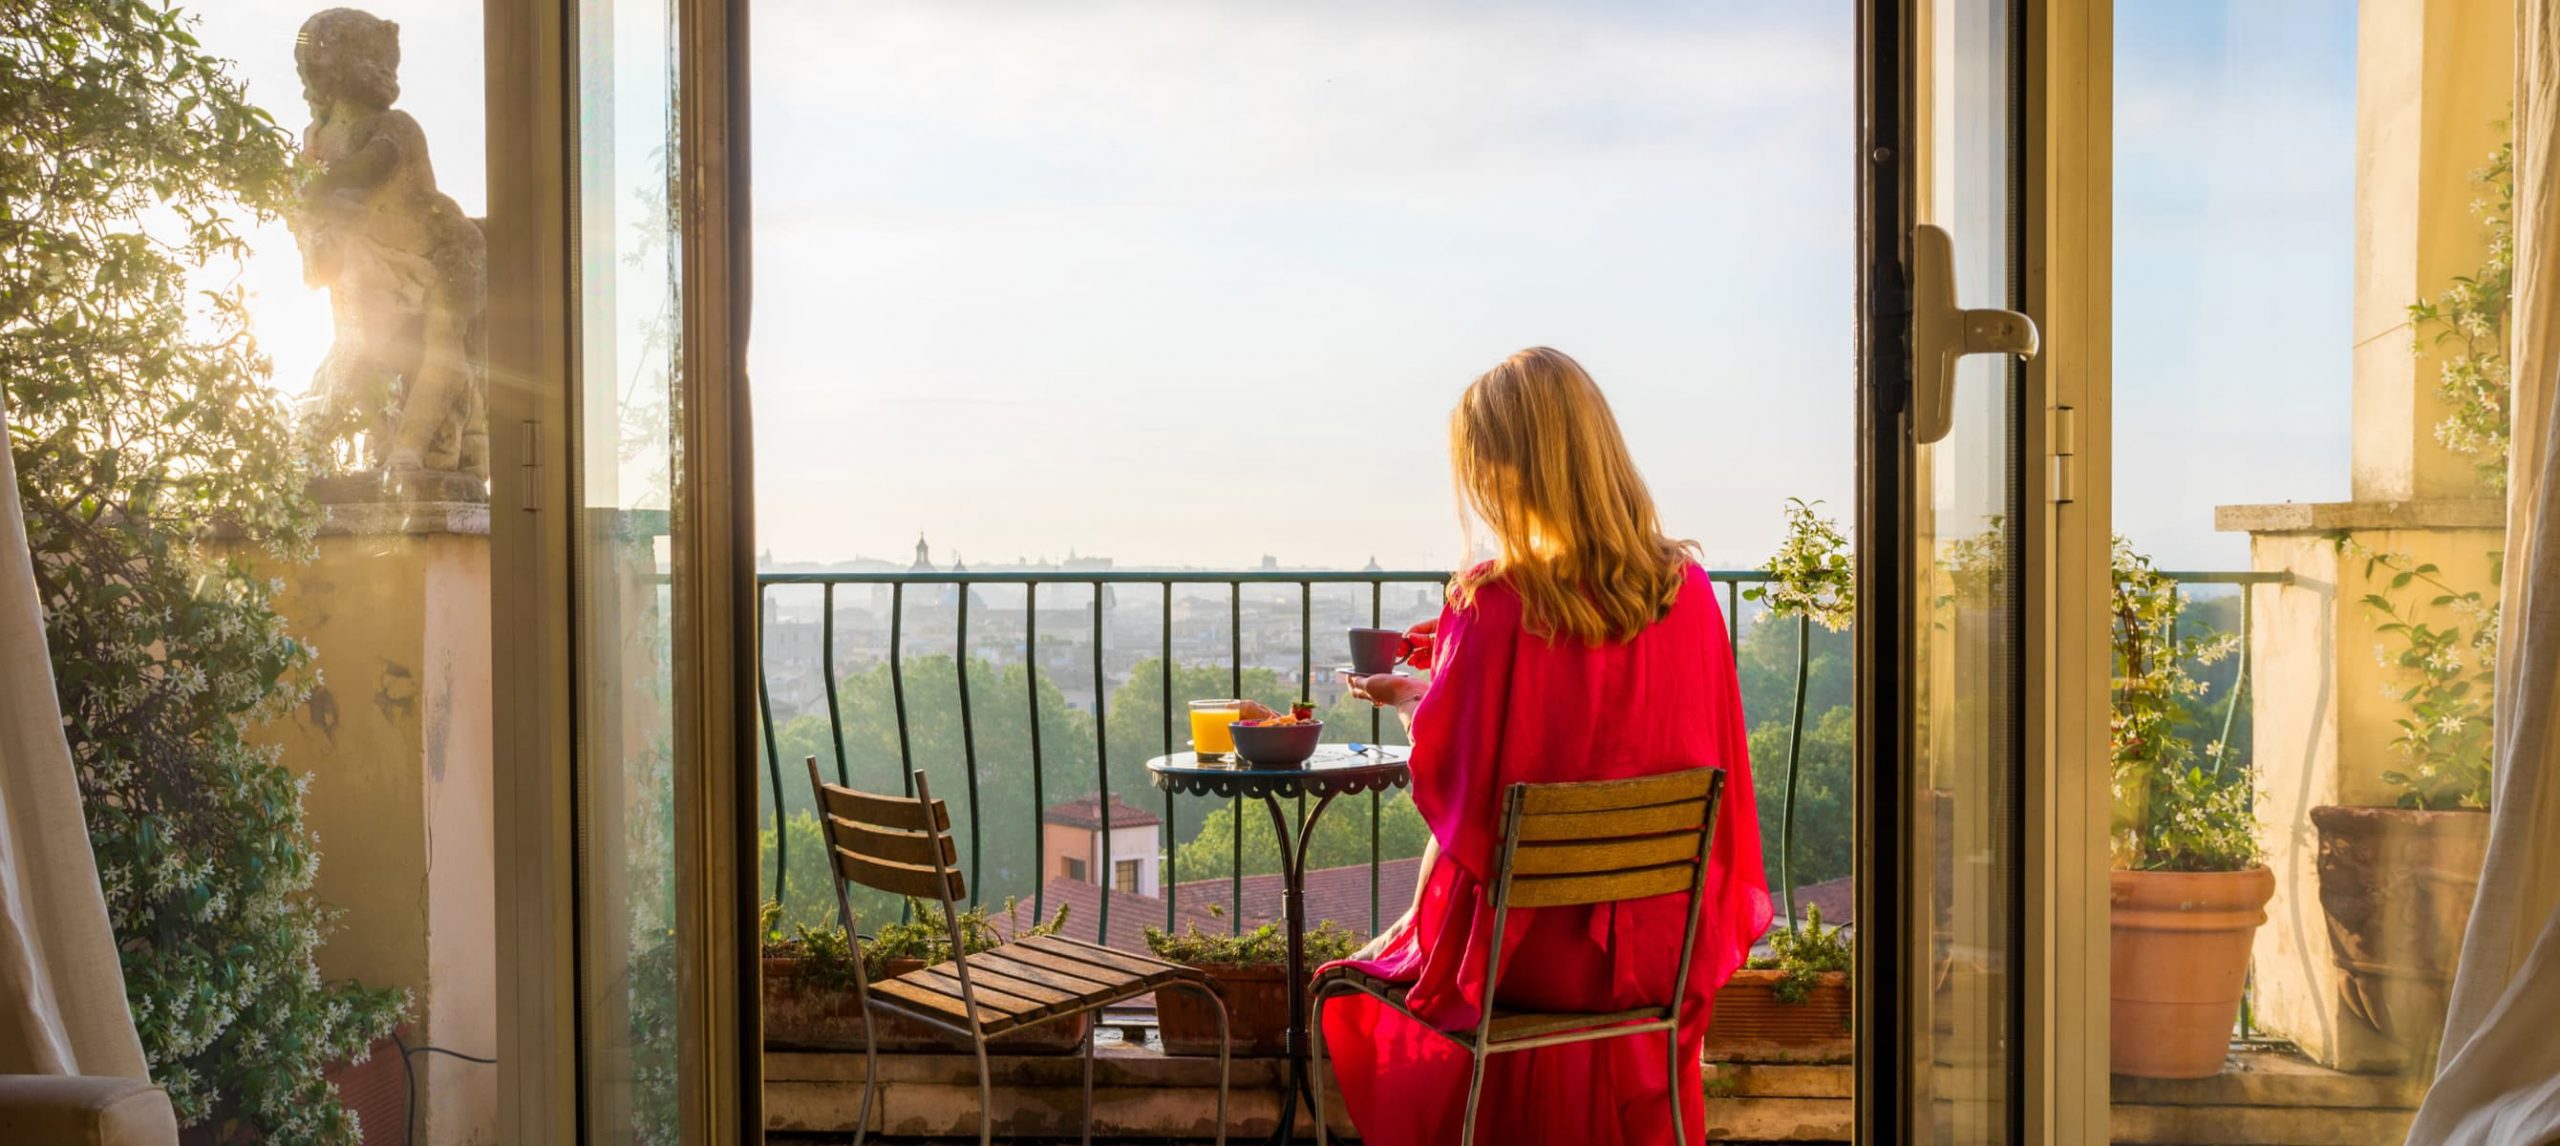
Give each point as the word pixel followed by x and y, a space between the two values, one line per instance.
pixel 1539 458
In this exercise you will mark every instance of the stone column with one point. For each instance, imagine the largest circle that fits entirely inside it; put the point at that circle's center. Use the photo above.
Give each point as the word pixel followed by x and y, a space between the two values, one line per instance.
pixel 396 741
pixel 2434 79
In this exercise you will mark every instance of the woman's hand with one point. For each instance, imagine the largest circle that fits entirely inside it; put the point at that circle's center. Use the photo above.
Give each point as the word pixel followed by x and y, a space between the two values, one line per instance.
pixel 1420 642
pixel 1378 946
pixel 1388 690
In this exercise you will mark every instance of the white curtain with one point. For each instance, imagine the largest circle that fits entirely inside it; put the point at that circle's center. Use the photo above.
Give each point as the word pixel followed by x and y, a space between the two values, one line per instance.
pixel 62 1008
pixel 2499 1078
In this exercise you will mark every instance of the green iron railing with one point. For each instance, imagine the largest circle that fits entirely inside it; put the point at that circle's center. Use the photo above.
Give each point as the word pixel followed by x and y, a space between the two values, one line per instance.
pixel 1096 581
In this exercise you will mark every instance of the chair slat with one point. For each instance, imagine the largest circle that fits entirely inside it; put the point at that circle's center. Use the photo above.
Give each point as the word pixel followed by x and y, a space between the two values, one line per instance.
pixel 1145 964
pixel 985 973
pixel 1101 957
pixel 1086 981
pixel 913 848
pixel 1611 887
pixel 998 997
pixel 923 997
pixel 1069 965
pixel 1592 857
pixel 900 878
pixel 1509 1026
pixel 1611 825
pixel 1611 795
pixel 903 813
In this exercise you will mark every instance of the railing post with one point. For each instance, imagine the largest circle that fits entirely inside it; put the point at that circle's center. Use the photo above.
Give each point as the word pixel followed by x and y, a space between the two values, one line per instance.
pixel 1102 768
pixel 969 752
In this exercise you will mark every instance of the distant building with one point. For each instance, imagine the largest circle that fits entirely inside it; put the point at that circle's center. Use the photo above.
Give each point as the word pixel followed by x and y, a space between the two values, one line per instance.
pixel 1071 836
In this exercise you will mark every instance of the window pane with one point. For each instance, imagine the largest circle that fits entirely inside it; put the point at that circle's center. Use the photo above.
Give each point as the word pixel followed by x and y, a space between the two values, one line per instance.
pixel 626 720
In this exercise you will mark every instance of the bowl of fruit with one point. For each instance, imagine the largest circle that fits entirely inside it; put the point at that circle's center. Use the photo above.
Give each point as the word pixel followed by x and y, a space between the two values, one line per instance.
pixel 1283 740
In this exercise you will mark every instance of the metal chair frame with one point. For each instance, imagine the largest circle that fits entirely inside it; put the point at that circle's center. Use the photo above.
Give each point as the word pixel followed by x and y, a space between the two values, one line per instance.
pixel 948 882
pixel 1480 1043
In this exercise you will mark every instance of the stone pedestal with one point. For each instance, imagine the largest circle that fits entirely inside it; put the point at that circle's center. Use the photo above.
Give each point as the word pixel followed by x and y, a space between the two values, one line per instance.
pixel 2322 727
pixel 396 742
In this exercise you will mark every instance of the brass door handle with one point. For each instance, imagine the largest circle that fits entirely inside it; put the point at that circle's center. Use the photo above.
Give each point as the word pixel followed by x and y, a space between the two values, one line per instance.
pixel 1942 332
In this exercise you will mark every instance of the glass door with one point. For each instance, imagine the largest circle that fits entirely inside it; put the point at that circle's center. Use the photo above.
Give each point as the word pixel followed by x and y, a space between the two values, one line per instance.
pixel 656 468
pixel 1945 521
pixel 630 294
pixel 1966 819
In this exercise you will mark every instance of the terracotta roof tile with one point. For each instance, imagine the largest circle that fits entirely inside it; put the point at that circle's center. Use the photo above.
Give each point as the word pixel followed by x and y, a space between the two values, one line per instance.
pixel 1087 814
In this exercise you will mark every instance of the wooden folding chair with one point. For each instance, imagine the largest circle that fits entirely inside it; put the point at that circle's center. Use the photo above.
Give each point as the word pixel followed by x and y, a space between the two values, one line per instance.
pixel 1565 845
pixel 902 845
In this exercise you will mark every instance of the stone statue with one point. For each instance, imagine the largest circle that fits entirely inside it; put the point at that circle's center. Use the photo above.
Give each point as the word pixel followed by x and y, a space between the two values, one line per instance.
pixel 401 393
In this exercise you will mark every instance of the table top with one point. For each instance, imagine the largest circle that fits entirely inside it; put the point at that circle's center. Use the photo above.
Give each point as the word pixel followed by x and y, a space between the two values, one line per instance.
pixel 1335 770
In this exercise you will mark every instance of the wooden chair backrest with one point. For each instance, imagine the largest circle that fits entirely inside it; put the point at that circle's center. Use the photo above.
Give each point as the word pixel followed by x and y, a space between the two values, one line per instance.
pixel 1606 841
pixel 892 843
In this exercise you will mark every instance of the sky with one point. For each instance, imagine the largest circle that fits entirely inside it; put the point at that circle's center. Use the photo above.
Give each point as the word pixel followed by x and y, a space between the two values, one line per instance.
pixel 2235 269
pixel 1193 285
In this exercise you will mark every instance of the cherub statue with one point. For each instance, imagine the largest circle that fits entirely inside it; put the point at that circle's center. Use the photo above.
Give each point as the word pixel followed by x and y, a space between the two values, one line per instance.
pixel 407 272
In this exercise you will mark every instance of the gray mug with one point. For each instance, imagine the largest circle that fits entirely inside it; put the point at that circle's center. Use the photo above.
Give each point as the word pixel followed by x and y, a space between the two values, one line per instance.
pixel 1375 651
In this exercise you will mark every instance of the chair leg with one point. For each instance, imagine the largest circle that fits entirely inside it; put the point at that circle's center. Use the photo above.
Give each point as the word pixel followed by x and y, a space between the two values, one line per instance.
pixel 1090 1026
pixel 870 1078
pixel 1679 1132
pixel 1475 1093
pixel 986 1094
pixel 1315 1027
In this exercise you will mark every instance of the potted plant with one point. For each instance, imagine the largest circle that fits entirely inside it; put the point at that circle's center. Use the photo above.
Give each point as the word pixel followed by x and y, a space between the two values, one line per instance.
pixel 1791 1005
pixel 1810 580
pixel 2188 893
pixel 810 997
pixel 2396 882
pixel 1249 971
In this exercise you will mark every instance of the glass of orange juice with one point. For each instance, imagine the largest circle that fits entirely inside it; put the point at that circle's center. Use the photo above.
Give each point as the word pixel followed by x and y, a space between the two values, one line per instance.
pixel 1211 741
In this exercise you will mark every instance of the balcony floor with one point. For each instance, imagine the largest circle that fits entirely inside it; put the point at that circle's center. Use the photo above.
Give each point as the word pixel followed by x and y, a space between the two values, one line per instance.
pixel 2265 1098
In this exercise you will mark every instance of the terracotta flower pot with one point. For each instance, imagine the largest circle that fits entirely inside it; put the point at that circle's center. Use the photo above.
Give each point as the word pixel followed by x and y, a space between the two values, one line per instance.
pixel 2396 885
pixel 801 1015
pixel 1751 1024
pixel 2181 959
pixel 1257 996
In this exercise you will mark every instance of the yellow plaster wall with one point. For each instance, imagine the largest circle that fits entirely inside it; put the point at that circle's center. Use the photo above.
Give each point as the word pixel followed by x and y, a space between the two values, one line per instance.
pixel 397 742
pixel 2434 79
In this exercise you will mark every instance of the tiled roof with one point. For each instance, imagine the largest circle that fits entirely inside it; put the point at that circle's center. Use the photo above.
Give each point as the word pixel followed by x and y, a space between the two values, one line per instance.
pixel 1086 813
pixel 1340 894
pixel 1131 913
pixel 1838 899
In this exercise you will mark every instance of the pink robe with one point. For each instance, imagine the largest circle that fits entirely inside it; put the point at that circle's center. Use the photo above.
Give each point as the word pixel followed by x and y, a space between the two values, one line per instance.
pixel 1507 707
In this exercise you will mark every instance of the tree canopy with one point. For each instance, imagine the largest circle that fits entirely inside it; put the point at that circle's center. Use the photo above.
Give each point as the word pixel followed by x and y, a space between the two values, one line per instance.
pixel 141 426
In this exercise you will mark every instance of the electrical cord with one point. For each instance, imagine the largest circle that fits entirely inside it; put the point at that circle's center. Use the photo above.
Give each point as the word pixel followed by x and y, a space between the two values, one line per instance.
pixel 409 1075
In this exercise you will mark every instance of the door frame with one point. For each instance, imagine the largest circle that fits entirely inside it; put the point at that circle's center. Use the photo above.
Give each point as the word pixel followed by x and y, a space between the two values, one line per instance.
pixel 2058 1069
pixel 2069 228
pixel 534 301
pixel 531 145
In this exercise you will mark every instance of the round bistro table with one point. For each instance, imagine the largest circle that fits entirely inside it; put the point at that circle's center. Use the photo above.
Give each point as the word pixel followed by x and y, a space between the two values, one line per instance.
pixel 1335 770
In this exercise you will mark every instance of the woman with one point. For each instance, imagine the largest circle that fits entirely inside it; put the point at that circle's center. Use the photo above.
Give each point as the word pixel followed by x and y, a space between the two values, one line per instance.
pixel 1589 648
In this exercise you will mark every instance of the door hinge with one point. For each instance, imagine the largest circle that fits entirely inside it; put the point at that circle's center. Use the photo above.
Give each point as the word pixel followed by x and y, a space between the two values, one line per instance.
pixel 529 448
pixel 2062 429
